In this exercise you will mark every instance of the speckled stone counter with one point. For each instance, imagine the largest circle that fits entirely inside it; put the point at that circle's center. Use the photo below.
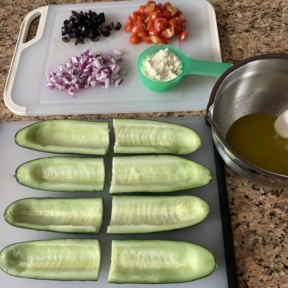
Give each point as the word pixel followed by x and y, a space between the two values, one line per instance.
pixel 258 214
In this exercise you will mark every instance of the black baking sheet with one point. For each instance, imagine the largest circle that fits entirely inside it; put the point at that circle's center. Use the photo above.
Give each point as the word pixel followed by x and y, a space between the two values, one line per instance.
pixel 213 233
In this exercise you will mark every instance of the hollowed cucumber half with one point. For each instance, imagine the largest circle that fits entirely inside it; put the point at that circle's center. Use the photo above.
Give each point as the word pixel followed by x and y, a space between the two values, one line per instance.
pixel 63 259
pixel 70 215
pixel 157 173
pixel 66 136
pixel 145 214
pixel 150 136
pixel 158 261
pixel 63 173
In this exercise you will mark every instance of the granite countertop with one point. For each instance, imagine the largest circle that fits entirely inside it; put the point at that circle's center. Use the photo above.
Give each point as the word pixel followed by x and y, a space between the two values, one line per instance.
pixel 258 214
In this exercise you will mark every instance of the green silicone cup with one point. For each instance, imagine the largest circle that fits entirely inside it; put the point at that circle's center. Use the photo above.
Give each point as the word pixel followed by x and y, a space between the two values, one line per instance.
pixel 190 66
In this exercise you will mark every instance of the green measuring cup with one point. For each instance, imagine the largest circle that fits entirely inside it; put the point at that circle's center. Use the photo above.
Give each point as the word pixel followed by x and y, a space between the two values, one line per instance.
pixel 190 66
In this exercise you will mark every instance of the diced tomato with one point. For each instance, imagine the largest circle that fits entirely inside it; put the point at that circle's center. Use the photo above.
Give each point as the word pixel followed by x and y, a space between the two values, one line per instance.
pixel 136 14
pixel 149 8
pixel 181 27
pixel 153 32
pixel 158 40
pixel 135 29
pixel 174 22
pixel 143 34
pixel 156 23
pixel 162 41
pixel 141 8
pixel 150 25
pixel 182 36
pixel 151 2
pixel 169 12
pixel 128 27
pixel 166 14
pixel 155 14
pixel 135 39
pixel 161 24
pixel 169 32
pixel 129 24
pixel 155 39
pixel 140 20
pixel 182 18
pixel 159 7
pixel 166 4
pixel 147 39
pixel 130 20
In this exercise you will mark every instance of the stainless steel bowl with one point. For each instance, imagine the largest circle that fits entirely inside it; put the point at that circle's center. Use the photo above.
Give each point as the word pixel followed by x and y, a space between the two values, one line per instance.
pixel 255 85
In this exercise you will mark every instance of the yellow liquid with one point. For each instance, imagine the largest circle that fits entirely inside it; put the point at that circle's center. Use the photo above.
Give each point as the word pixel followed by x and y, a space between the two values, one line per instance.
pixel 254 138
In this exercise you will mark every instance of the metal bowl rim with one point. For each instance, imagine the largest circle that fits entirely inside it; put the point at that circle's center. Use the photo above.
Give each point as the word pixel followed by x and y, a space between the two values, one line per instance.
pixel 214 125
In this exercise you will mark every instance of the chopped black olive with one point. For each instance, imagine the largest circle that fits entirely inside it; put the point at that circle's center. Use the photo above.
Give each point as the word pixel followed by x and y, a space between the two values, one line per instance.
pixel 118 26
pixel 95 39
pixel 71 34
pixel 79 41
pixel 66 39
pixel 64 31
pixel 109 27
pixel 106 33
pixel 90 25
pixel 70 24
pixel 74 13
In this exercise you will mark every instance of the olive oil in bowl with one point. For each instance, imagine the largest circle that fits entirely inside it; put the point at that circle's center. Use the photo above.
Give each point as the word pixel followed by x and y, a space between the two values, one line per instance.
pixel 254 138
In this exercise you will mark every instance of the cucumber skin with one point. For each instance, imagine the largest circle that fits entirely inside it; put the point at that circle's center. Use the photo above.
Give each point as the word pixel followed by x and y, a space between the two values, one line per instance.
pixel 23 174
pixel 180 174
pixel 141 136
pixel 128 268
pixel 140 211
pixel 65 207
pixel 24 137
pixel 10 254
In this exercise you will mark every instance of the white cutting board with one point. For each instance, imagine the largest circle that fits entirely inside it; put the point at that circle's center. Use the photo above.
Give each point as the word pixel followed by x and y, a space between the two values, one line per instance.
pixel 208 233
pixel 26 92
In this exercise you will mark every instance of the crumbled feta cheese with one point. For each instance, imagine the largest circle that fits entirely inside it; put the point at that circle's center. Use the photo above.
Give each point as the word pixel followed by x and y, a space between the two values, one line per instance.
pixel 162 66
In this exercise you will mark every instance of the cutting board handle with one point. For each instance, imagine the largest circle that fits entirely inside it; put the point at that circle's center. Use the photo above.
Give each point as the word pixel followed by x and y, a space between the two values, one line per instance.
pixel 20 46
pixel 25 26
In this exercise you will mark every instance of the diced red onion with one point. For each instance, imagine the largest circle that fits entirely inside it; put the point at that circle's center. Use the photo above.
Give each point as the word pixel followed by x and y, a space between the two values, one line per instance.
pixel 118 82
pixel 86 71
pixel 118 52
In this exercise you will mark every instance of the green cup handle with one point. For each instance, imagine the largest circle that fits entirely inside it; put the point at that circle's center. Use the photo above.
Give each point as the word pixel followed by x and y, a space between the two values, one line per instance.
pixel 206 68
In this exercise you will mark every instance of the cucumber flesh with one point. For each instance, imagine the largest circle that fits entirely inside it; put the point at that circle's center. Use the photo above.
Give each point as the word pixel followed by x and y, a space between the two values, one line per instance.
pixel 158 261
pixel 149 136
pixel 74 215
pixel 63 174
pixel 66 136
pixel 145 214
pixel 157 173
pixel 63 259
